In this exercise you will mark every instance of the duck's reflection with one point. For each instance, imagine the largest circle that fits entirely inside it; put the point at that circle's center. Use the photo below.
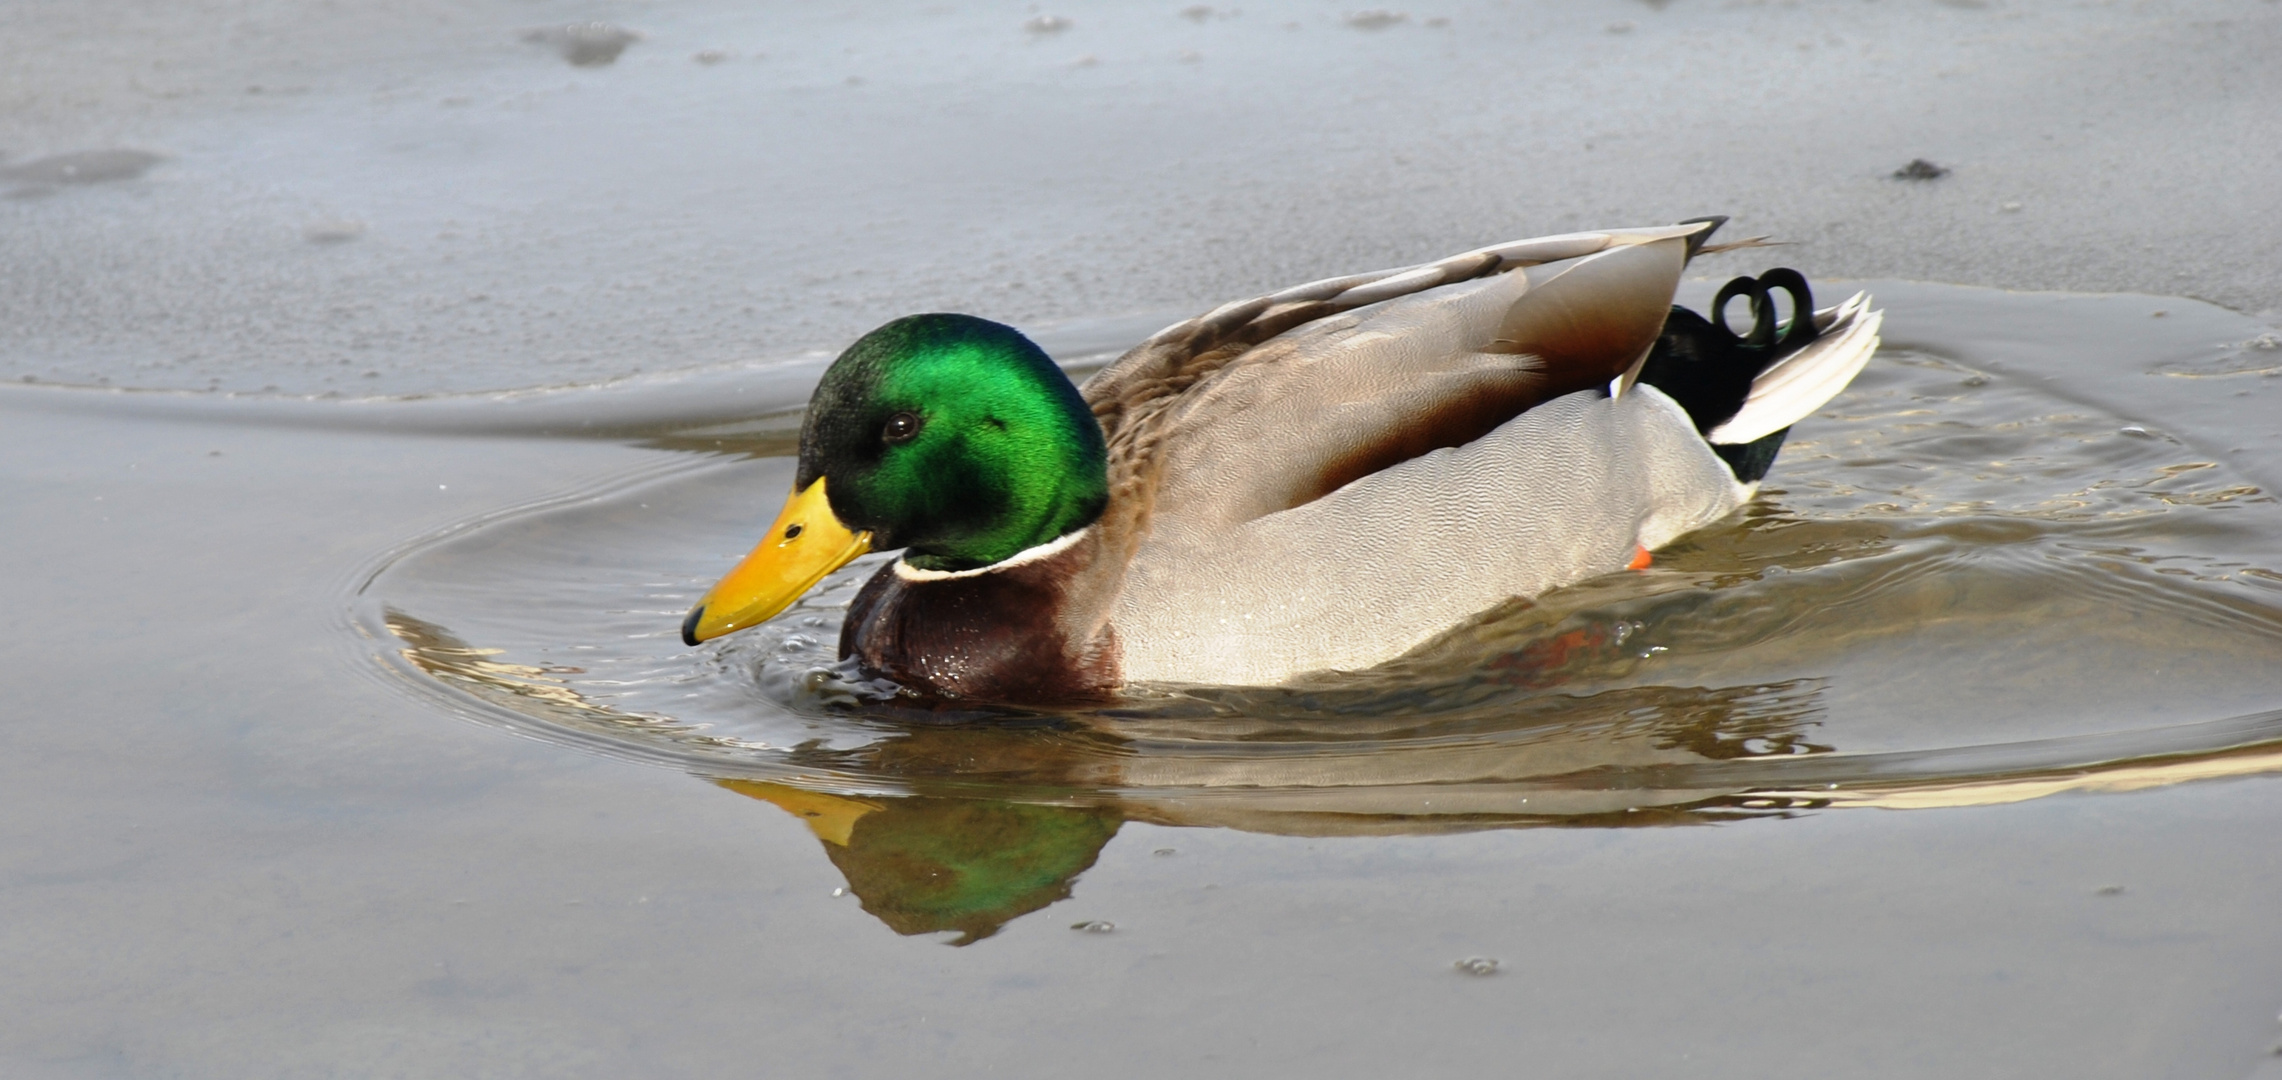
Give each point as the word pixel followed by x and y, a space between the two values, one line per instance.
pixel 926 865
pixel 969 864
pixel 967 822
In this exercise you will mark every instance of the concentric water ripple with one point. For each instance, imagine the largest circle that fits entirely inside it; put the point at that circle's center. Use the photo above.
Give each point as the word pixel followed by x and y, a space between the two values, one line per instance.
pixel 1955 590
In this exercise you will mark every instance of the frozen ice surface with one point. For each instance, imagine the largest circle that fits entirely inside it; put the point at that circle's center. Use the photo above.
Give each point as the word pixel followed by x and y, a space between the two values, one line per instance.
pixel 526 222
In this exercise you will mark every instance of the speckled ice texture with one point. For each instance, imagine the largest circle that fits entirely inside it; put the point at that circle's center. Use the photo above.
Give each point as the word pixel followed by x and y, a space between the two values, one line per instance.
pixel 412 196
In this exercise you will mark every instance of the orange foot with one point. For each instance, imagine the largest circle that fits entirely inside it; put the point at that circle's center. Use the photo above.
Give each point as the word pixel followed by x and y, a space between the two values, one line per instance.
pixel 1639 559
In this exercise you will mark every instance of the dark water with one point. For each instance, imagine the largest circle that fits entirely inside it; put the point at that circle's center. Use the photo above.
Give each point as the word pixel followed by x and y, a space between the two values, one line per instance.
pixel 1958 589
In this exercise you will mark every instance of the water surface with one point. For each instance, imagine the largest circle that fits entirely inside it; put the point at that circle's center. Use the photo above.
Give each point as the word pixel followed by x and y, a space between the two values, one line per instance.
pixel 1958 588
pixel 248 836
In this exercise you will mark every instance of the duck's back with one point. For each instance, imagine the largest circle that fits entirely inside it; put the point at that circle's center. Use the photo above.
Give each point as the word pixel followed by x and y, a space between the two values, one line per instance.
pixel 1340 492
pixel 1266 404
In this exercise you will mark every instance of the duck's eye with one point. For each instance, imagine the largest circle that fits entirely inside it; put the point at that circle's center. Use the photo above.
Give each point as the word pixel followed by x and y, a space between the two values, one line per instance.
pixel 900 428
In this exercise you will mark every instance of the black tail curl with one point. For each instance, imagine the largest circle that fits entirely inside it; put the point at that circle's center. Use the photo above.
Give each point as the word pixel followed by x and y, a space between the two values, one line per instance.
pixel 1707 368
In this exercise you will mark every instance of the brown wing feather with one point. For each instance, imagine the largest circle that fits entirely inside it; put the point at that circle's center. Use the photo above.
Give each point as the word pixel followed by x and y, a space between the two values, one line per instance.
pixel 1454 420
pixel 1578 330
pixel 1269 403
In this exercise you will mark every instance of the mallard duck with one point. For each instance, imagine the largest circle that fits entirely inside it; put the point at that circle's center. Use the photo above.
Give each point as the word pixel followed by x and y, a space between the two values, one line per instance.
pixel 1320 478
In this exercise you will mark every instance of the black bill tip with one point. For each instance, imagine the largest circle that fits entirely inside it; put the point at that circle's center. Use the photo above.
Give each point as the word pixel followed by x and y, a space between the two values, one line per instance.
pixel 689 625
pixel 1696 243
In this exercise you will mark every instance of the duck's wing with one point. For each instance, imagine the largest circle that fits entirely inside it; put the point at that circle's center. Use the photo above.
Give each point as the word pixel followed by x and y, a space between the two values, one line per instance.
pixel 1266 404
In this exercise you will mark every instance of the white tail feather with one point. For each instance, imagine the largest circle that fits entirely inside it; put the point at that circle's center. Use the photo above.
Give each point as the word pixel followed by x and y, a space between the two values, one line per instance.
pixel 1798 384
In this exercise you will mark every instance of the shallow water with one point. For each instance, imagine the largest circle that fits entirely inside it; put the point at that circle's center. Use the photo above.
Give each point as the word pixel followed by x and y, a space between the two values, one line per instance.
pixel 1957 589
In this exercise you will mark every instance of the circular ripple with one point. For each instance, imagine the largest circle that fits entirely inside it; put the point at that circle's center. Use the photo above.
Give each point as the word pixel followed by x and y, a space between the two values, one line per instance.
pixel 1955 590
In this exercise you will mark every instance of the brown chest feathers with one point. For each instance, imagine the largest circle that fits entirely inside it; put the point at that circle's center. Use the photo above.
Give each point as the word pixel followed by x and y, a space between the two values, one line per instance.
pixel 1006 634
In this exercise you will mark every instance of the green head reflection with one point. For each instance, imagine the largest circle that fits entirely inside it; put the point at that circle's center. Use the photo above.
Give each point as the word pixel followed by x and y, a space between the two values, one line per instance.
pixel 926 865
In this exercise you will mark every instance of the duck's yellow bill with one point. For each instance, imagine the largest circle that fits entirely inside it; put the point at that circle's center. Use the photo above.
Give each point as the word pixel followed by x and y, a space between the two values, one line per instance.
pixel 806 543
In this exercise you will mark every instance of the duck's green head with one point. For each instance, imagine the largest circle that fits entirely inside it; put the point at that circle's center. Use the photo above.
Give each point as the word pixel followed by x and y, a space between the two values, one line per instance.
pixel 956 438
pixel 947 435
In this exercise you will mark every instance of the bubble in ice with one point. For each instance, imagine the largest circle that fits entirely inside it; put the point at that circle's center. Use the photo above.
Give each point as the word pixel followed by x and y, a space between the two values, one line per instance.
pixel 1046 24
pixel 84 167
pixel 1375 18
pixel 586 44
pixel 332 231
pixel 1096 926
pixel 1477 965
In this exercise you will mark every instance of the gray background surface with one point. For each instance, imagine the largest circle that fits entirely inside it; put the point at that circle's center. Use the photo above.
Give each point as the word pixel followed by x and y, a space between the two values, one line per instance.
pixel 229 849
pixel 520 221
